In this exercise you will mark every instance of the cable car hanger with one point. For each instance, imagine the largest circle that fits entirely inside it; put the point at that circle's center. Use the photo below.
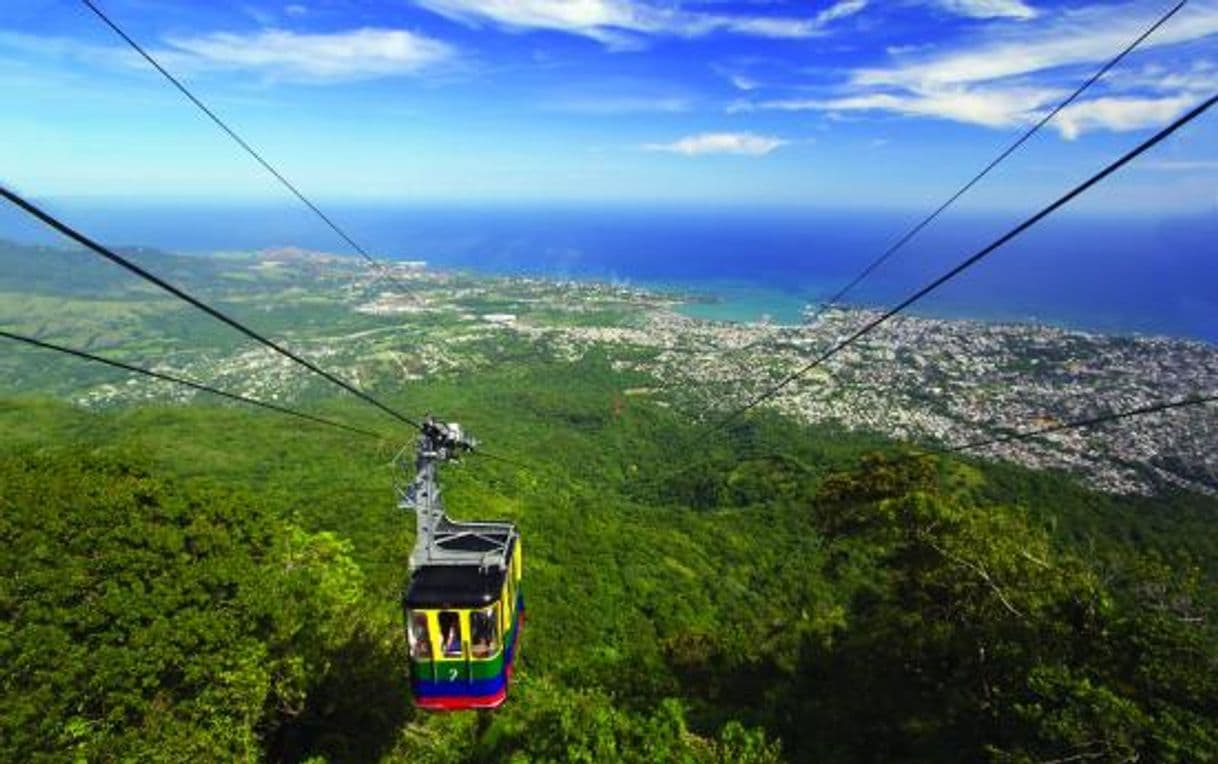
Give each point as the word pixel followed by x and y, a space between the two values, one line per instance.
pixel 463 606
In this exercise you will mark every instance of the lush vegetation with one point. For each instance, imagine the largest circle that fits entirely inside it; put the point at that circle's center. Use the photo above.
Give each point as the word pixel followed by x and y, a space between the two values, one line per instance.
pixel 212 583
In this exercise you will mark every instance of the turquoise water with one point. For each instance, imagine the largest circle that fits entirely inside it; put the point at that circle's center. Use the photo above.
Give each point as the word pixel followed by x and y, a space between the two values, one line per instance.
pixel 741 303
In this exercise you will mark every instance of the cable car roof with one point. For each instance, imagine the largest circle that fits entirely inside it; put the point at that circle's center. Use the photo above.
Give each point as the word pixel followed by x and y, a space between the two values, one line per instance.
pixel 455 586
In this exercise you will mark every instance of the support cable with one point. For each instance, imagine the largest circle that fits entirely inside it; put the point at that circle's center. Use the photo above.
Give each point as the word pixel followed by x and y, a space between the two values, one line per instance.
pixel 242 143
pixel 972 260
pixel 911 233
pixel 1197 400
pixel 1019 142
pixel 118 259
pixel 186 383
pixel 1076 424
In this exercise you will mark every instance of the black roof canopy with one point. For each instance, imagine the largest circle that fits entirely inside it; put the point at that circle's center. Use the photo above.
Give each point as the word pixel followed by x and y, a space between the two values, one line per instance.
pixel 457 586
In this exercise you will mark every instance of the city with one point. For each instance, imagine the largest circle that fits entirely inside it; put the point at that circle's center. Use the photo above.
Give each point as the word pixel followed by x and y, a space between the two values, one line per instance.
pixel 935 382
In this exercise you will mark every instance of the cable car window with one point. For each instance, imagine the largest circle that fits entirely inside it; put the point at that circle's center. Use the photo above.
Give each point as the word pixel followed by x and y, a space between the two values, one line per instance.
pixel 450 633
pixel 484 632
pixel 420 638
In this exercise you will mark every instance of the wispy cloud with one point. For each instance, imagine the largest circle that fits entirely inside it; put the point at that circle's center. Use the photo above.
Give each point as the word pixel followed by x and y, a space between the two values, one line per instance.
pixel 995 108
pixel 619 24
pixel 741 82
pixel 1084 36
pixel 1120 114
pixel 1012 74
pixel 1199 77
pixel 611 105
pixel 746 144
pixel 1181 165
pixel 20 46
pixel 840 10
pixel 989 9
pixel 350 55
pixel 737 75
pixel 279 54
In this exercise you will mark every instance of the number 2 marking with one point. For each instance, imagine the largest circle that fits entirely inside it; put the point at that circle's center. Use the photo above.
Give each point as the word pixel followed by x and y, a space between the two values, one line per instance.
pixel 452 674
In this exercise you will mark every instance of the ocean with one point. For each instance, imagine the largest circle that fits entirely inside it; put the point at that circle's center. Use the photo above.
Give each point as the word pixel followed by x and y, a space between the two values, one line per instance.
pixel 1124 274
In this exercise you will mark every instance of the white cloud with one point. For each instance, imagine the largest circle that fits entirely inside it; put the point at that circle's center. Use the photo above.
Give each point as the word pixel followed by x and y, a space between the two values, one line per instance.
pixel 1085 36
pixel 1113 113
pixel 741 82
pixel 66 48
pixel 1004 108
pixel 737 74
pixel 1197 78
pixel 340 56
pixel 840 10
pixel 1180 165
pixel 747 144
pixel 991 108
pixel 619 23
pixel 610 105
pixel 1014 73
pixel 356 54
pixel 989 9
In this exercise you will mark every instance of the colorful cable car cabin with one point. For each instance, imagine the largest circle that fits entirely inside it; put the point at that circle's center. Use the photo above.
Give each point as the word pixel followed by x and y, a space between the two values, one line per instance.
pixel 463 605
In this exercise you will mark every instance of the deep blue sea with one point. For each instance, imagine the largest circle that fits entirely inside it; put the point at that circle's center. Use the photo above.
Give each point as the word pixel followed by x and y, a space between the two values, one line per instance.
pixel 1108 273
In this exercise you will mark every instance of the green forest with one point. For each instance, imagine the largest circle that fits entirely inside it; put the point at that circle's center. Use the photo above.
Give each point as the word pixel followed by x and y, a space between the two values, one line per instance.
pixel 208 583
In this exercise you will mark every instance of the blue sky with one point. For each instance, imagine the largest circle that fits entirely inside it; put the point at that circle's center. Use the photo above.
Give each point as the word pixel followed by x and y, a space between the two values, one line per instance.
pixel 852 103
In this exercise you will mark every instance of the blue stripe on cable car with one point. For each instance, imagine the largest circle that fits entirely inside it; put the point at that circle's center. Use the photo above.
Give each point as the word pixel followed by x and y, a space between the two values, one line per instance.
pixel 459 687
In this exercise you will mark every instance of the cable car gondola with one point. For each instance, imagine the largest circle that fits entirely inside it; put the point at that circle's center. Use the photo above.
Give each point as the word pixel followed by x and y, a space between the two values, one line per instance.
pixel 463 605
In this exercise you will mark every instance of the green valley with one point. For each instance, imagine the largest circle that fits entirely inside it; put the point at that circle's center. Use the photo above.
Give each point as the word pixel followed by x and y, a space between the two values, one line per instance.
pixel 183 579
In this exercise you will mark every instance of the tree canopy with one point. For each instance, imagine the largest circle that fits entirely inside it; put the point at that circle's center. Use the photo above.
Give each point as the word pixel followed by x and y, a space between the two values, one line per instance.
pixel 225 585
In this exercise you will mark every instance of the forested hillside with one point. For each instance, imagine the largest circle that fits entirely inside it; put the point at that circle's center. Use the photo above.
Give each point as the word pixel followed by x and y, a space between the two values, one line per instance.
pixel 209 583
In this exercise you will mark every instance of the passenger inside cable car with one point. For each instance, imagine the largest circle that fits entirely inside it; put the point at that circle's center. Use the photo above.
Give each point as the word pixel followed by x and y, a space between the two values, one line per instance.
pixel 450 627
pixel 420 639
pixel 483 630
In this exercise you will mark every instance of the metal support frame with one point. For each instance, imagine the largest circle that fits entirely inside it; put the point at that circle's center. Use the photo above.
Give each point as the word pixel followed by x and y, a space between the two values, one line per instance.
pixel 439 540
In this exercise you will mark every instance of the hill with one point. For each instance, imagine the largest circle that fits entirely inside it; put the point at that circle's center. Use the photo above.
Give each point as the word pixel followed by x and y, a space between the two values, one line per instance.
pixel 197 581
